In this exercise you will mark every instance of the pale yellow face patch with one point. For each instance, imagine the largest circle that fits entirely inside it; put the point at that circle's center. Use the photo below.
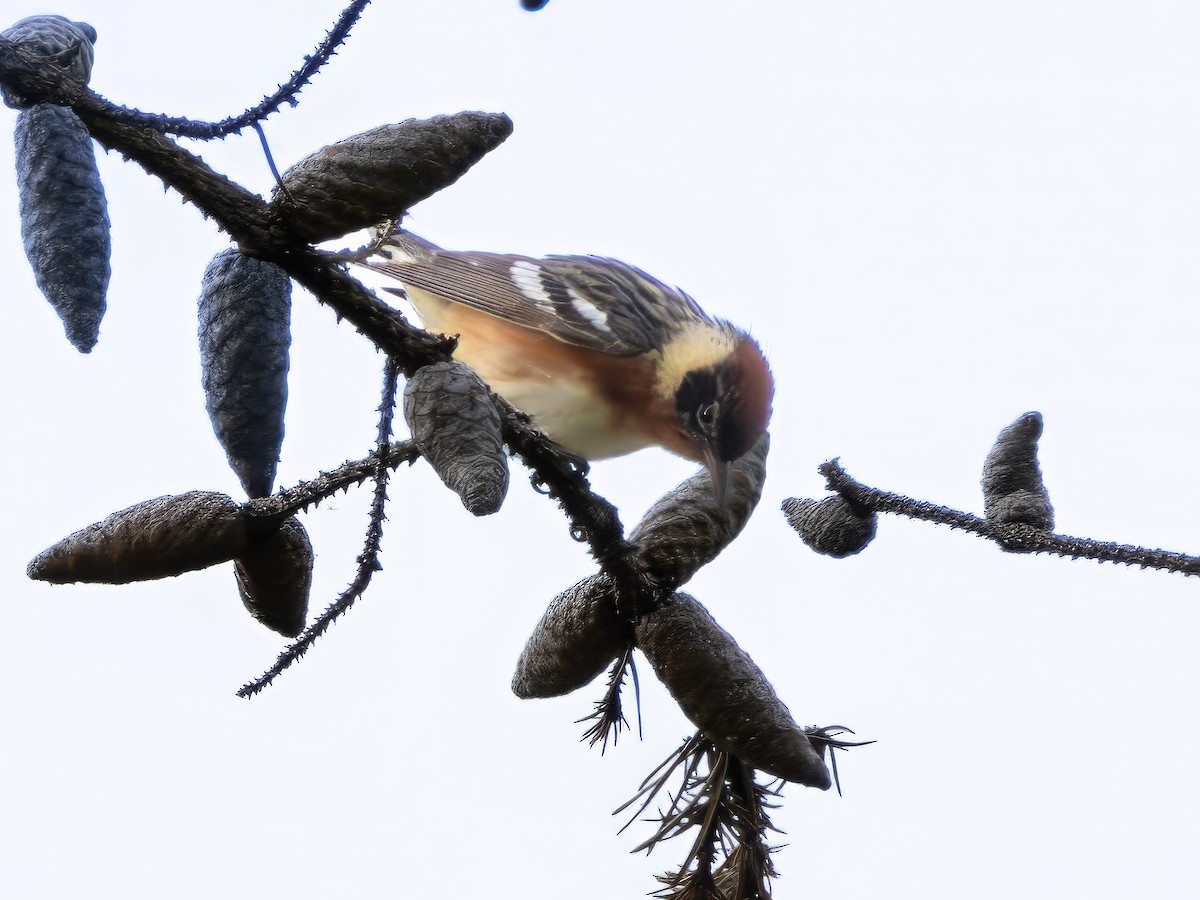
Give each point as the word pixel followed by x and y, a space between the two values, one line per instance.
pixel 698 346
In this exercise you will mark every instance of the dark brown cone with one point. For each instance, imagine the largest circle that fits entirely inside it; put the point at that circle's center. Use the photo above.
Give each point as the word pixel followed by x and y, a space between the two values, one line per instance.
pixel 725 694
pixel 154 539
pixel 687 527
pixel 379 174
pixel 274 576
pixel 576 639
pixel 831 526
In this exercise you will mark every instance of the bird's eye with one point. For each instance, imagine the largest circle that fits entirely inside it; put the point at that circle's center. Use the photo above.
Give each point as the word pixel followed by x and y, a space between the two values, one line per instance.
pixel 706 418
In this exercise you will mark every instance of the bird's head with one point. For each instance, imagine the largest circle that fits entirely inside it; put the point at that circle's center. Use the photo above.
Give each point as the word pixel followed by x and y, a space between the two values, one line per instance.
pixel 722 390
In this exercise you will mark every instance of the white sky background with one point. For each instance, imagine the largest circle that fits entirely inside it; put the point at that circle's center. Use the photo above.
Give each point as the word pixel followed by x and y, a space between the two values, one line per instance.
pixel 936 216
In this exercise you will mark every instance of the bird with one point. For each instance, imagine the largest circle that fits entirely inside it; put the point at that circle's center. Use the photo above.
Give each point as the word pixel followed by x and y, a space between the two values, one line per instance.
pixel 604 358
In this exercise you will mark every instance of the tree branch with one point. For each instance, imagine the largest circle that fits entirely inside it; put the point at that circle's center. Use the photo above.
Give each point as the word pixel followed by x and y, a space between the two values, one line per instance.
pixel 1014 537
pixel 286 92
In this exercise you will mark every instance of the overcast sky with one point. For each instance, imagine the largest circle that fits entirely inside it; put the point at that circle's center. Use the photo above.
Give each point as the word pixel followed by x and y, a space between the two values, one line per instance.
pixel 935 216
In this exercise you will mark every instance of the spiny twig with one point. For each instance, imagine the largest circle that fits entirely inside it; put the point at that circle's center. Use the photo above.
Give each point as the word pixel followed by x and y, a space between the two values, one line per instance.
pixel 368 560
pixel 720 798
pixel 309 493
pixel 827 736
pixel 286 93
pixel 1014 537
pixel 608 719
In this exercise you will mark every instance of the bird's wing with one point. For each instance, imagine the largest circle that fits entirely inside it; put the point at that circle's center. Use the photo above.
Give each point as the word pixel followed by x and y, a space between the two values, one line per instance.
pixel 587 301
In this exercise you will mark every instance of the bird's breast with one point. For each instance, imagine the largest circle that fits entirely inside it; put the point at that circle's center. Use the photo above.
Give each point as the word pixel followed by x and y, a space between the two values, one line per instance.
pixel 594 404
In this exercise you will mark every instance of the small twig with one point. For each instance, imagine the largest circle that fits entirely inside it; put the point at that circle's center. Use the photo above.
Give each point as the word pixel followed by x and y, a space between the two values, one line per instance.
pixel 309 493
pixel 286 93
pixel 608 719
pixel 688 753
pixel 748 868
pixel 368 559
pixel 720 798
pixel 827 736
pixel 1013 537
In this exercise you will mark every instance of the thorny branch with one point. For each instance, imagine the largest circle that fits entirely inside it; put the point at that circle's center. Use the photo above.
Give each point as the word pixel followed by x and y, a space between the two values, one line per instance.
pixel 368 560
pixel 720 798
pixel 722 801
pixel 608 718
pixel 286 93
pixel 828 736
pixel 1014 537
pixel 300 497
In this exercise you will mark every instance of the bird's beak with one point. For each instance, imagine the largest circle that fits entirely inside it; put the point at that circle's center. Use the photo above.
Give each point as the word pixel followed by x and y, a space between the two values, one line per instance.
pixel 718 471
